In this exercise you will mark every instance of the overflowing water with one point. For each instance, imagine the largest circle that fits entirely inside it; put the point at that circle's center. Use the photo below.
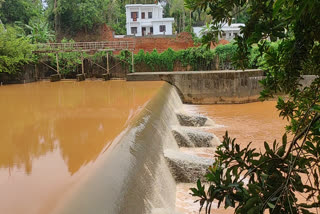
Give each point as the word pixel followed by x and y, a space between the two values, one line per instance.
pixel 113 147
pixel 51 134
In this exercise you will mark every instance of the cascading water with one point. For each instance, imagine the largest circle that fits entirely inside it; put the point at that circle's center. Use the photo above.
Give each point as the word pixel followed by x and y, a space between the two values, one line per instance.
pixel 139 171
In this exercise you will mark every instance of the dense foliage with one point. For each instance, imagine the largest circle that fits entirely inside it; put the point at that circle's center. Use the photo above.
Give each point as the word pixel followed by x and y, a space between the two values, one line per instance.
pixel 19 10
pixel 14 51
pixel 75 15
pixel 38 31
pixel 270 180
pixel 197 58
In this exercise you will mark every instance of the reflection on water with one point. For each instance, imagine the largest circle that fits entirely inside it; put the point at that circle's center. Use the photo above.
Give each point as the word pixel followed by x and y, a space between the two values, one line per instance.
pixel 51 132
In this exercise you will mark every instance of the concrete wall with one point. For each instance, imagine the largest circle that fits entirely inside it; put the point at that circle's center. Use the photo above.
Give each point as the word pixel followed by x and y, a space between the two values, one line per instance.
pixel 27 73
pixel 307 80
pixel 213 87
pixel 210 87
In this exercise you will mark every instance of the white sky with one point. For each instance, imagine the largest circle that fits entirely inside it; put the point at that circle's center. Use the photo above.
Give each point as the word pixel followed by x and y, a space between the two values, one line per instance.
pixel 44 3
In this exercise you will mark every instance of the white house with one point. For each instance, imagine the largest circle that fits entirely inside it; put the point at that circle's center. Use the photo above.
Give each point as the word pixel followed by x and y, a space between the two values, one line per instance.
pixel 229 32
pixel 147 19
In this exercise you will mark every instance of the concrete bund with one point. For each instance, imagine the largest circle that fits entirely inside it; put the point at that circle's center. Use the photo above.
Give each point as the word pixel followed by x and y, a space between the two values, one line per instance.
pixel 139 171
pixel 133 176
pixel 209 87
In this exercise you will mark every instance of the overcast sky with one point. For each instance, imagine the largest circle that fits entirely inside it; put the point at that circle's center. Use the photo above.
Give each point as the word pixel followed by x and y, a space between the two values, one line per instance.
pixel 44 3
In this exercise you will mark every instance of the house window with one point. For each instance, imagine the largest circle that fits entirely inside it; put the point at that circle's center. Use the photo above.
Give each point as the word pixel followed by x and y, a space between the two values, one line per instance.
pixel 162 28
pixel 134 16
pixel 143 15
pixel 235 34
pixel 149 15
pixel 134 30
pixel 151 30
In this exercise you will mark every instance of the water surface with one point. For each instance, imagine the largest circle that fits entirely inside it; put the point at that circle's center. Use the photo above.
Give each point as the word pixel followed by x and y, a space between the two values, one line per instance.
pixel 51 134
pixel 252 122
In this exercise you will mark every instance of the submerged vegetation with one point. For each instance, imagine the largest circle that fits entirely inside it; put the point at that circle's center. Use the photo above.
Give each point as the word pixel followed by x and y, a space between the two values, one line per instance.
pixel 271 180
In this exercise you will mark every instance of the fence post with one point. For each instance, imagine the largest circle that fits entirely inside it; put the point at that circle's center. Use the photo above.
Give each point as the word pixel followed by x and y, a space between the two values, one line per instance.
pixel 132 62
pixel 108 70
pixel 82 63
pixel 57 59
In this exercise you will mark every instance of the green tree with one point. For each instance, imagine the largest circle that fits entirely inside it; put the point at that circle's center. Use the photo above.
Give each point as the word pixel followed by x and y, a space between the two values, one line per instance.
pixel 273 177
pixel 38 31
pixel 74 15
pixel 116 16
pixel 19 10
pixel 14 51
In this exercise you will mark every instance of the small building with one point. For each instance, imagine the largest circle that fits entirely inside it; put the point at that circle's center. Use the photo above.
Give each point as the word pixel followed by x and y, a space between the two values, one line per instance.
pixel 147 19
pixel 229 32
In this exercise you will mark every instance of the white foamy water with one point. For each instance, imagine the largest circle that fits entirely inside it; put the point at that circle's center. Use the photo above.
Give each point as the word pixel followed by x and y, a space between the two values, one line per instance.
pixel 194 110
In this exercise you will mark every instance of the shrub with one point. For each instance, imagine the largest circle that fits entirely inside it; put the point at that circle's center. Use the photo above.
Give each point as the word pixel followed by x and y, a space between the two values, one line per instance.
pixel 14 51
pixel 197 57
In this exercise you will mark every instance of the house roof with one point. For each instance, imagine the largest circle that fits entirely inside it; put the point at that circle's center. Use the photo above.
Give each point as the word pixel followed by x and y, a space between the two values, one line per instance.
pixel 143 5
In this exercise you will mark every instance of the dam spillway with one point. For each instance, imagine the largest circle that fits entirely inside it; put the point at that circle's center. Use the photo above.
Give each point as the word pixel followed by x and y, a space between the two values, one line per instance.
pixel 51 134
pixel 120 154
pixel 134 175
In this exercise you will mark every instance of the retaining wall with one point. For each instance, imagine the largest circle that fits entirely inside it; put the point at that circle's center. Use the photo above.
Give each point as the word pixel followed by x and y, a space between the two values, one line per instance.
pixel 210 87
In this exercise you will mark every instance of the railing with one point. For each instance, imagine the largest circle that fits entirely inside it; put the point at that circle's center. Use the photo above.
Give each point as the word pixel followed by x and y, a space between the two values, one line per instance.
pixel 85 46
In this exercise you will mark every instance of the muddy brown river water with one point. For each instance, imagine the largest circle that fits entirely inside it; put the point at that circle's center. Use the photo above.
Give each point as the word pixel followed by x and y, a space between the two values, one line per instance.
pixel 52 133
pixel 252 122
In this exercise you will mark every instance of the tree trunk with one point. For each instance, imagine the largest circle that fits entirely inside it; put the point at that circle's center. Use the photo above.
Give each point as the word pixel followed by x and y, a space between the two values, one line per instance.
pixel 190 21
pixel 183 20
pixel 56 17
pixel 180 21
